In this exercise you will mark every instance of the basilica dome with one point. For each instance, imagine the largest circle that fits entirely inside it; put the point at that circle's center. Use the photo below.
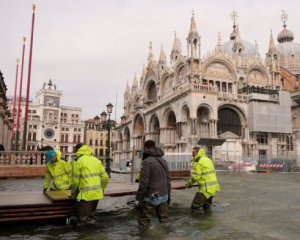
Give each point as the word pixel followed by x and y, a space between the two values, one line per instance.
pixel 289 51
pixel 238 46
pixel 248 50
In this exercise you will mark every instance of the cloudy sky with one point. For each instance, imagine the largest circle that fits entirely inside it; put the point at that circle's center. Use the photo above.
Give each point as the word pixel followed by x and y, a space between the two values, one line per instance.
pixel 91 48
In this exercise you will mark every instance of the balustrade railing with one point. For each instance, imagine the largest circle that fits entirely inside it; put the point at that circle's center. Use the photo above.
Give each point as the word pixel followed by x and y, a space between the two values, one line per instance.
pixel 22 158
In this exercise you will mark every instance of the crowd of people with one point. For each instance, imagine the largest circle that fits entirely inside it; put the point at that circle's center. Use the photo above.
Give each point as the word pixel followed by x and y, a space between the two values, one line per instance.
pixel 87 179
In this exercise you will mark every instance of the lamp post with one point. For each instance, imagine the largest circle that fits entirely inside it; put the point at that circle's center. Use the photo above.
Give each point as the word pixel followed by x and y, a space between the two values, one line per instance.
pixel 106 124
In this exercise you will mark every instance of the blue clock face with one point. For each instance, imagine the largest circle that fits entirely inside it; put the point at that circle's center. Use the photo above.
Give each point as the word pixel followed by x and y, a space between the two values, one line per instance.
pixel 49 133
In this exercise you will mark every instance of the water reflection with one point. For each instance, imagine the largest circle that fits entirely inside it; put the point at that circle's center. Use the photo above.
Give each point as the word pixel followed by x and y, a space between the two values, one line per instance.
pixel 249 206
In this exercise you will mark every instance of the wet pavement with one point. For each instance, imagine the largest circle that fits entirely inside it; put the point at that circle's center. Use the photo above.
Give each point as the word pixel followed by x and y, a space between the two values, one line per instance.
pixel 249 206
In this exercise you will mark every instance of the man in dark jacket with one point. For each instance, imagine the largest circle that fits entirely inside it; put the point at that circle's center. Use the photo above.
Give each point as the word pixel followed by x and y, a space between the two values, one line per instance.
pixel 155 185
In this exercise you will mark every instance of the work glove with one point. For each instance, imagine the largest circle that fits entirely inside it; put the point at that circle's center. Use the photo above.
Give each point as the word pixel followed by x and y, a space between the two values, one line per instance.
pixel 137 180
pixel 44 190
pixel 188 185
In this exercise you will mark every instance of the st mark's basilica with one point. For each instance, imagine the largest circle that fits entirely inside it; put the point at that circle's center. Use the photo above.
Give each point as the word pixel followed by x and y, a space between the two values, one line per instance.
pixel 238 104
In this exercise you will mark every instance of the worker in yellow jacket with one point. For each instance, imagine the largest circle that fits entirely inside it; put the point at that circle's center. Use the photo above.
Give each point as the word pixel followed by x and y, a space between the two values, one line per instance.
pixel 88 182
pixel 204 174
pixel 57 171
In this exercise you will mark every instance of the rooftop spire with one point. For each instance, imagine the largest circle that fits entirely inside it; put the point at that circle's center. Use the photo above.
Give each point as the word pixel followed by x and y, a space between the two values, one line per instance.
pixel 127 90
pixel 162 56
pixel 238 45
pixel 142 76
pixel 193 28
pixel 285 35
pixel 272 47
pixel 256 49
pixel 143 71
pixel 219 43
pixel 284 18
pixel 150 55
pixel 234 17
pixel 175 45
pixel 135 82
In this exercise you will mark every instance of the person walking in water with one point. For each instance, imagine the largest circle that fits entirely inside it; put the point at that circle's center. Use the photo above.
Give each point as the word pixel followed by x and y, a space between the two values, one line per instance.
pixel 88 182
pixel 154 186
pixel 204 174
pixel 58 171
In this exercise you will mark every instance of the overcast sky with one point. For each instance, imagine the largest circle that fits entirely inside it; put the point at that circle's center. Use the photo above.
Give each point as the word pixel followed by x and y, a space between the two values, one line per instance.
pixel 91 48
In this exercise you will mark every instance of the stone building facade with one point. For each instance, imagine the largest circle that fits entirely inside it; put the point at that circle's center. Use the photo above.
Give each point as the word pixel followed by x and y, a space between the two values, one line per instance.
pixel 96 136
pixel 231 101
pixel 5 122
pixel 50 123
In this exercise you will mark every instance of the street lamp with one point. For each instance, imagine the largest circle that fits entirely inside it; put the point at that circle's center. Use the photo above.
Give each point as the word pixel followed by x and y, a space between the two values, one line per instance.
pixel 106 124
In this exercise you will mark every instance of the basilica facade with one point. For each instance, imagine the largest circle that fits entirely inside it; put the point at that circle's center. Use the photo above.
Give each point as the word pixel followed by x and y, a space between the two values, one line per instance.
pixel 232 101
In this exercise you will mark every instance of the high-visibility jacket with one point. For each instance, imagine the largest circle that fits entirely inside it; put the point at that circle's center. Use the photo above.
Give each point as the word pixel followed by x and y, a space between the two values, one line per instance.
pixel 59 172
pixel 89 178
pixel 203 172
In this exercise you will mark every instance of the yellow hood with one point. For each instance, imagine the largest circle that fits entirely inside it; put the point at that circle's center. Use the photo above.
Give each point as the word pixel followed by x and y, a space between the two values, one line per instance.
pixel 84 150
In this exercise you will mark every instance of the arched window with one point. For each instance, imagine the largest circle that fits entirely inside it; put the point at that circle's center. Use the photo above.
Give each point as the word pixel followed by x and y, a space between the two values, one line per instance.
pixel 74 138
pixel 67 138
pixel 224 87
pixel 34 137
pixel 152 94
pixel 230 87
pixel 78 139
pixel 181 74
pixel 29 136
pixel 62 138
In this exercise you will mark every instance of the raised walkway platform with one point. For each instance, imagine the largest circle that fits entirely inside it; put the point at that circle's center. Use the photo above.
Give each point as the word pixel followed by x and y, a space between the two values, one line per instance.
pixel 36 206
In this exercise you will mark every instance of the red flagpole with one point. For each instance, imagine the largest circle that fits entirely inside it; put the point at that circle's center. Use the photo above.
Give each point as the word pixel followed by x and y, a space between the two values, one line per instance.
pixel 20 96
pixel 28 81
pixel 12 132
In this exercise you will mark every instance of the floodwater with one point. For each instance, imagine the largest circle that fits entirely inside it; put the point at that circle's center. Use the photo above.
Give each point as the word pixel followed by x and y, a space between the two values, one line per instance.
pixel 249 206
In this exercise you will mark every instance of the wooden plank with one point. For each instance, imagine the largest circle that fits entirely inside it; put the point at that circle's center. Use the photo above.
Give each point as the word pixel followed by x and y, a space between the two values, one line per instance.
pixel 34 218
pixel 9 199
pixel 38 199
pixel 15 210
pixel 49 212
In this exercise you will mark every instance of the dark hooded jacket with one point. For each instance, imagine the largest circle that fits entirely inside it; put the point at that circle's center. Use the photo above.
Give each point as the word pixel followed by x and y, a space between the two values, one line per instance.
pixel 155 176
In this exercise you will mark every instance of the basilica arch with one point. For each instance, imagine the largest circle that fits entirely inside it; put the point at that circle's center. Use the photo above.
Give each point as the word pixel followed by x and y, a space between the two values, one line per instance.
pixel 203 122
pixel 126 145
pixel 138 131
pixel 120 141
pixel 154 129
pixel 151 91
pixel 166 84
pixel 230 119
pixel 219 68
pixel 185 123
pixel 257 76
pixel 169 123
pixel 180 73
